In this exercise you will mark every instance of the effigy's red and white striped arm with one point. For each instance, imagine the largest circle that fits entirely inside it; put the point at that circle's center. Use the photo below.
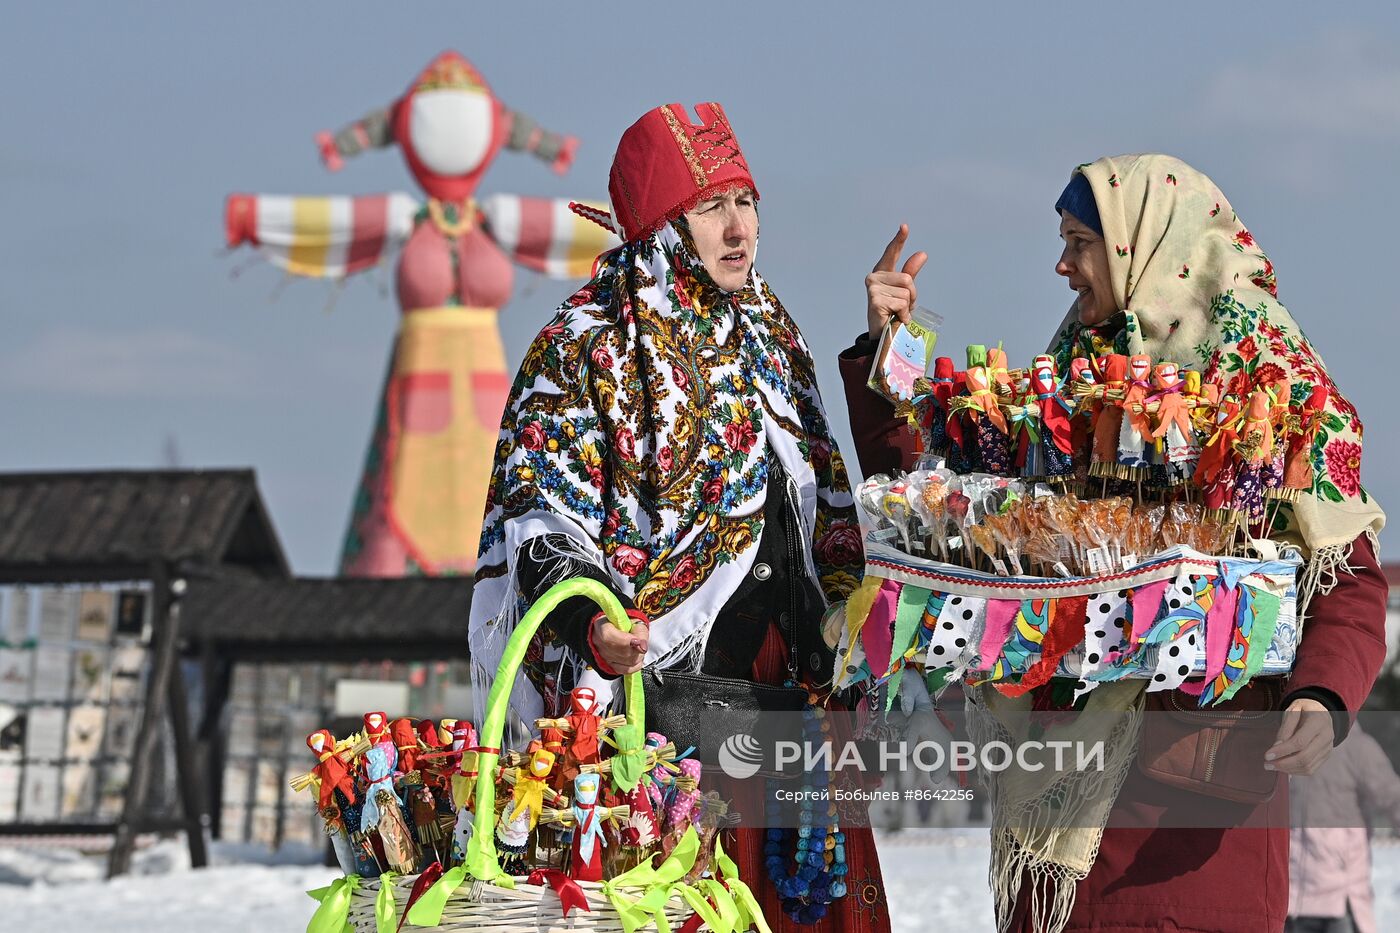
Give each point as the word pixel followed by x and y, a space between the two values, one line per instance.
pixel 320 237
pixel 544 235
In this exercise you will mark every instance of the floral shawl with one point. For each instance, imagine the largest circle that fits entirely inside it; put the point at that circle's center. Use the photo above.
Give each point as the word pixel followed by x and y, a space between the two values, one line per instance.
pixel 1197 290
pixel 640 427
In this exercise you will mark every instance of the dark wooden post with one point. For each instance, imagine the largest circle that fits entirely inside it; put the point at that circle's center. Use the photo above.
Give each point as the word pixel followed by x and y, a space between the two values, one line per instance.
pixel 211 740
pixel 165 683
pixel 157 688
pixel 186 772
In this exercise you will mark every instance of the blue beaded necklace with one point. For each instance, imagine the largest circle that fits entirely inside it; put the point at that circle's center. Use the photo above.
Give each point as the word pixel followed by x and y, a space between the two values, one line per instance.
pixel 819 854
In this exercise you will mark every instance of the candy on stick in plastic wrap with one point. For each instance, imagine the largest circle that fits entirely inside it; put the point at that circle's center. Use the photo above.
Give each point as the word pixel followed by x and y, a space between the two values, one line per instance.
pixel 1008 534
pixel 1092 531
pixel 958 506
pixel 894 506
pixel 1120 521
pixel 985 542
pixel 928 494
pixel 868 494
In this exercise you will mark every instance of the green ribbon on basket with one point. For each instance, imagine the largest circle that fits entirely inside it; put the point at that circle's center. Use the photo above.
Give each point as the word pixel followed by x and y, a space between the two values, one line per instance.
pixel 384 904
pixel 719 895
pixel 750 911
pixel 658 882
pixel 427 910
pixel 333 916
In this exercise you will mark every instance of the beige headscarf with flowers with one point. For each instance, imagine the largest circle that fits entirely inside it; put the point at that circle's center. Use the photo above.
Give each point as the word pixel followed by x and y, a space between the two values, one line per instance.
pixel 1196 289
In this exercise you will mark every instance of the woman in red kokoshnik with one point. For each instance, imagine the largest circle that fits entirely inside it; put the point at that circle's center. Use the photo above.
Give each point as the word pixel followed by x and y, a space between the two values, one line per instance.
pixel 665 436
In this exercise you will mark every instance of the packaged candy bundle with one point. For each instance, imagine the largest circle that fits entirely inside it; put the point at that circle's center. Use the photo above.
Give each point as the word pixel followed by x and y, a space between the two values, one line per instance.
pixel 614 823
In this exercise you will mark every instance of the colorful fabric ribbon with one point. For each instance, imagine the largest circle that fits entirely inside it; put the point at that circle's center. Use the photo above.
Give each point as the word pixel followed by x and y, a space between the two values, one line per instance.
pixel 570 894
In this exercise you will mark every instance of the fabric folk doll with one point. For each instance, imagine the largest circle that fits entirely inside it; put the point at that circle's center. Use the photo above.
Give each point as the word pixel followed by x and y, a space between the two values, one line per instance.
pixel 941 433
pixel 659 780
pixel 1056 458
pixel 377 731
pixel 1109 423
pixel 464 772
pixel 628 767
pixel 1136 426
pixel 984 413
pixel 522 813
pixel 1255 450
pixel 1174 430
pixel 1081 387
pixel 586 850
pixel 999 373
pixel 335 791
pixel 1298 468
pixel 681 811
pixel 383 814
pixel 404 734
pixel 331 771
pixel 429 736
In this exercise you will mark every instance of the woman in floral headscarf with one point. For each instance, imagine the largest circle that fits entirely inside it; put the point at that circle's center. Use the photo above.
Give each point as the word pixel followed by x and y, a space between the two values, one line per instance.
pixel 1163 266
pixel 665 436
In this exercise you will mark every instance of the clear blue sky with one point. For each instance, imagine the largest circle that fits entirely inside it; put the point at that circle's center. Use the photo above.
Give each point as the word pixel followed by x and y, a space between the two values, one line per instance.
pixel 124 125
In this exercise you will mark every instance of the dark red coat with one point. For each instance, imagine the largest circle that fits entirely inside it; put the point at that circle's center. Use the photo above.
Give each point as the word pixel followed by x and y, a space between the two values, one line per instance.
pixel 1200 880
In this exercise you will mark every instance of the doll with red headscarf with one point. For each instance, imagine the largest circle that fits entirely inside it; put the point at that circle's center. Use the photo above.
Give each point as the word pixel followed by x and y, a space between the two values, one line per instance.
pixel 419 505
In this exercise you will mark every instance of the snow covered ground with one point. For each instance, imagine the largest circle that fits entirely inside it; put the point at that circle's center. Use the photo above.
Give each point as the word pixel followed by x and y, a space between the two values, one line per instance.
pixel 934 876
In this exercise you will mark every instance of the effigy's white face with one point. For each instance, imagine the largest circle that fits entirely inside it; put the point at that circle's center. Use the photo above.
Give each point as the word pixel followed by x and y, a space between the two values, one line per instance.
pixel 451 130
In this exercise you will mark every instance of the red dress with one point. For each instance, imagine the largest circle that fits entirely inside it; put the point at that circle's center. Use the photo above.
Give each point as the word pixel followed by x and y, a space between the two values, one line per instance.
pixel 1174 879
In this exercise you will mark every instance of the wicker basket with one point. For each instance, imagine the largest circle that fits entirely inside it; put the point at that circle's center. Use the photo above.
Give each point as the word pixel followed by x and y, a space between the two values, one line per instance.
pixel 488 899
pixel 479 905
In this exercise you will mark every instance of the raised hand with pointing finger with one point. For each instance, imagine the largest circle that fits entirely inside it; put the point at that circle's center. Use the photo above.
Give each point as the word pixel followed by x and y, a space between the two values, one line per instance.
pixel 891 294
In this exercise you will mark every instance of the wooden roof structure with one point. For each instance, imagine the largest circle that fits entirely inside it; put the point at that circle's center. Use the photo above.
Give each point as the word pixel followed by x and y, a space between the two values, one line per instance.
pixel 111 525
pixel 339 619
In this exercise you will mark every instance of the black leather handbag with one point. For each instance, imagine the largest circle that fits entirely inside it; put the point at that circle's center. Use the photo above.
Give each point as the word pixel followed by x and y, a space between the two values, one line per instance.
pixel 705 711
